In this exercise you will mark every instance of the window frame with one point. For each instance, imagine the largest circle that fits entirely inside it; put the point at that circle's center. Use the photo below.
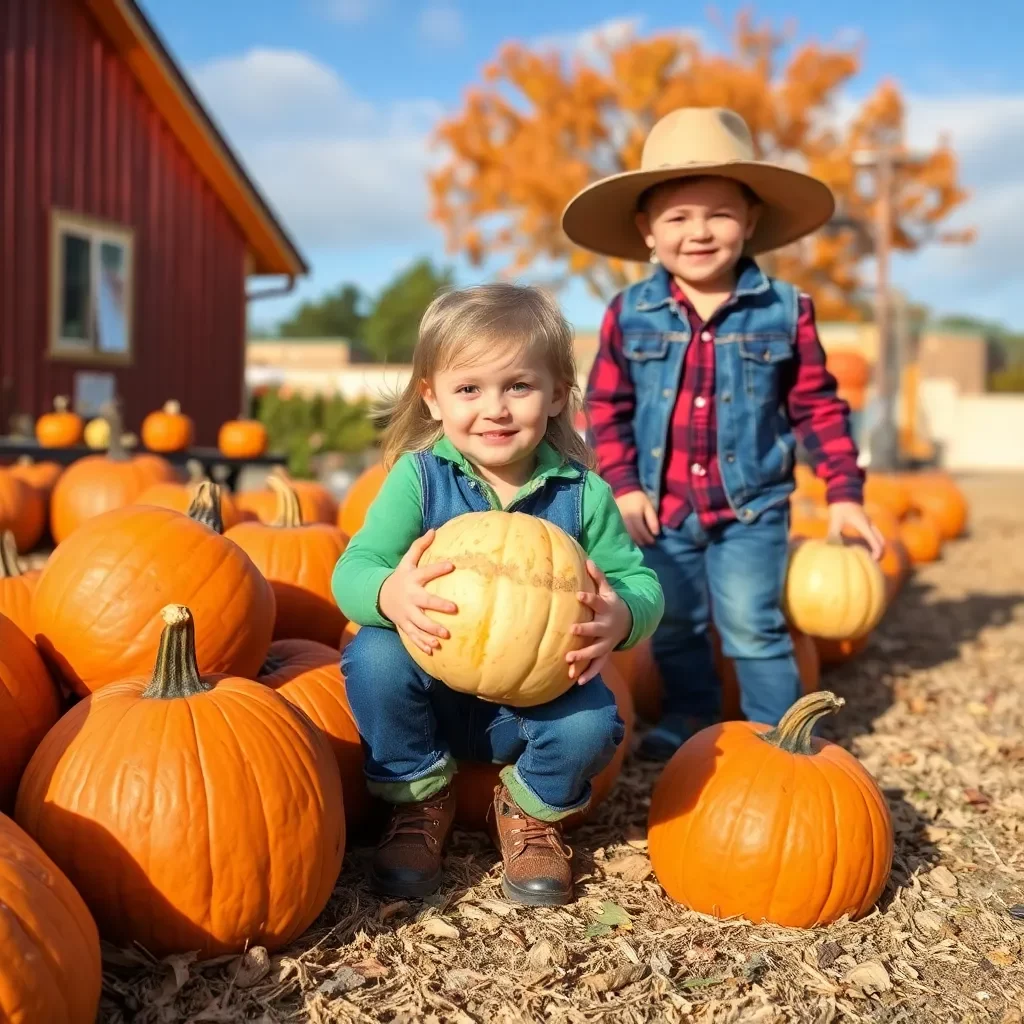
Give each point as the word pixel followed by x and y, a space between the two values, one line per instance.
pixel 97 231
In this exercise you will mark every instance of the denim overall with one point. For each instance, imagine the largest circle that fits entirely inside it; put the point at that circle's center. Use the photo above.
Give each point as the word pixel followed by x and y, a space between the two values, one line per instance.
pixel 413 726
pixel 737 568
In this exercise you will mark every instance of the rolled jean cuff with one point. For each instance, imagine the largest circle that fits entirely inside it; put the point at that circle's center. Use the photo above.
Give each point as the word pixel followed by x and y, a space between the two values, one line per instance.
pixel 528 801
pixel 411 791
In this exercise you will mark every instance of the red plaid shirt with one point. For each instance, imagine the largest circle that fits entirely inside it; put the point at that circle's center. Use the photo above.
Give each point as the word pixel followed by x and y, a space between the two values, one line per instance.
pixel 693 481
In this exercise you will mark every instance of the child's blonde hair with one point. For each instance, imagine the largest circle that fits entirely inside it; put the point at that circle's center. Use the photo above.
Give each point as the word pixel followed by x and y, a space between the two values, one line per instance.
pixel 463 326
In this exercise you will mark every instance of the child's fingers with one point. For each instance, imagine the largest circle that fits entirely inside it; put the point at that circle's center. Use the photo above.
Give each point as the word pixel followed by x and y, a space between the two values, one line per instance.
pixel 425 599
pixel 432 571
pixel 637 529
pixel 593 669
pixel 592 628
pixel 597 650
pixel 427 625
pixel 595 602
pixel 596 575
pixel 427 644
pixel 651 521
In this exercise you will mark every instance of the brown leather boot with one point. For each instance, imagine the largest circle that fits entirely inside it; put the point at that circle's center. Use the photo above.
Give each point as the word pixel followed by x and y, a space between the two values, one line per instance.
pixel 407 861
pixel 538 865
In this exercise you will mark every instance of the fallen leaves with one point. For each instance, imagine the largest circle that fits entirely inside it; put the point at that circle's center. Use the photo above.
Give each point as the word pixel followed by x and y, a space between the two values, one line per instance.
pixel 868 978
pixel 612 916
pixel 634 868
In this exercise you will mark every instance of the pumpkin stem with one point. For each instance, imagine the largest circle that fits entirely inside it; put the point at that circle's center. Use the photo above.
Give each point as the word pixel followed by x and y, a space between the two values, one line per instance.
pixel 9 564
pixel 289 512
pixel 172 407
pixel 205 506
pixel 271 663
pixel 196 473
pixel 60 403
pixel 115 447
pixel 176 673
pixel 793 733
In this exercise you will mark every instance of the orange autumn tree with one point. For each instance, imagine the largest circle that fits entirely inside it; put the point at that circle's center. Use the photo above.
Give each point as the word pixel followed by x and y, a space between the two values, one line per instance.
pixel 542 126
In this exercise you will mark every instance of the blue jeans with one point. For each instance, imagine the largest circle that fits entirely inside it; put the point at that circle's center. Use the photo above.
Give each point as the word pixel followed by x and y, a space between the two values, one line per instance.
pixel 414 727
pixel 732 573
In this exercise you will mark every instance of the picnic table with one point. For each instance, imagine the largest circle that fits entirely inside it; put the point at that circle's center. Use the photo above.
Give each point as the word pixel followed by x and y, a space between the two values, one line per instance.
pixel 216 465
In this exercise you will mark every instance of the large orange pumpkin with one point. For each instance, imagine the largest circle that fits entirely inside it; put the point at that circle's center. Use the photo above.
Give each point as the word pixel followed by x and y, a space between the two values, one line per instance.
pixel 308 674
pixel 167 429
pixel 515 585
pixel 60 428
pixel 317 503
pixel 191 812
pixel 889 491
pixel 95 609
pixel 242 439
pixel 16 586
pixel 299 561
pixel 40 475
pixel 770 824
pixel 99 483
pixel 180 496
pixel 29 705
pixel 807 662
pixel 359 497
pixel 921 537
pixel 51 970
pixel 833 589
pixel 22 510
pixel 475 781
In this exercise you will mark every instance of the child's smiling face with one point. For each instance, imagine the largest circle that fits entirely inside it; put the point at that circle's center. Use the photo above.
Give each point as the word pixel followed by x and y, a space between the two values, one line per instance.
pixel 496 411
pixel 697 228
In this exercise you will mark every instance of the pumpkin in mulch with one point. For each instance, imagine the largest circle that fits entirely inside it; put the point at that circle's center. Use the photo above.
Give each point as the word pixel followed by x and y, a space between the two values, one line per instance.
pixel 836 653
pixel 167 429
pixel 42 476
pixel 95 609
pixel 359 497
pixel 833 589
pixel 16 585
pixel 61 428
pixel 242 439
pixel 888 490
pixel 180 496
pixel 99 483
pixel 637 667
pixel 308 675
pixel 771 824
pixel 298 559
pixel 22 510
pixel 475 781
pixel 52 971
pixel 921 537
pixel 29 706
pixel 228 828
pixel 316 503
pixel 937 496
pixel 807 662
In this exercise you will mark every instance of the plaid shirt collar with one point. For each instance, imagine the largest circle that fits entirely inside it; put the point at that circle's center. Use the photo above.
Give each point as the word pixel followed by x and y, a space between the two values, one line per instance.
pixel 660 289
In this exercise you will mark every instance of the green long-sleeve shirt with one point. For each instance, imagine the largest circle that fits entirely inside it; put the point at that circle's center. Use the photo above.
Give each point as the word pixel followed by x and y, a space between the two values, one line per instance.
pixel 395 519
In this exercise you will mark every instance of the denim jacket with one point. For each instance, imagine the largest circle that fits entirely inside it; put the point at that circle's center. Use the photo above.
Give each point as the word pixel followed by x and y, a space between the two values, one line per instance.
pixel 755 331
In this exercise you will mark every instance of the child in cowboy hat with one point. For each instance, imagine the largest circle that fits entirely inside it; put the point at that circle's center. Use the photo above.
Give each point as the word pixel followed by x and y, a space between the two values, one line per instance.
pixel 707 374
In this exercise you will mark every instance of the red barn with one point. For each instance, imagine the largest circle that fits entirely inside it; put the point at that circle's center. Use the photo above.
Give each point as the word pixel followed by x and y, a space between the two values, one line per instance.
pixel 128 228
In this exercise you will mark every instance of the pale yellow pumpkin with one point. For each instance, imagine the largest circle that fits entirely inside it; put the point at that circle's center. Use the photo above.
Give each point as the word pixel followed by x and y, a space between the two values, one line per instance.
pixel 515 585
pixel 833 590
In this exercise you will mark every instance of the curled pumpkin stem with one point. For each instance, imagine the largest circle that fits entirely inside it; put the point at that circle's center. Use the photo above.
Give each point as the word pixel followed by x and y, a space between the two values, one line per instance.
pixel 793 733
pixel 176 673
pixel 205 506
pixel 289 512
pixel 9 564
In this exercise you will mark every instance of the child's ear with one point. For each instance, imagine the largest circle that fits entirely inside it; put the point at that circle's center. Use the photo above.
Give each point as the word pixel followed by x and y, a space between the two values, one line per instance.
pixel 754 212
pixel 430 399
pixel 643 225
pixel 559 396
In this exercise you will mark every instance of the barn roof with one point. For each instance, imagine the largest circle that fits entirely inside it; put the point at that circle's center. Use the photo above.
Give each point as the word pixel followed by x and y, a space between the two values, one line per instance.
pixel 144 52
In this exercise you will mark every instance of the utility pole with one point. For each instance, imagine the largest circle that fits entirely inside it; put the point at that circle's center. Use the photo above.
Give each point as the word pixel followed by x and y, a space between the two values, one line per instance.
pixel 884 440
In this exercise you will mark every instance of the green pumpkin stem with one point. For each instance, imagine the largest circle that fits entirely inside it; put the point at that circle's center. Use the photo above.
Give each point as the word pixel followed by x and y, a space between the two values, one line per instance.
pixel 289 512
pixel 10 567
pixel 205 506
pixel 793 733
pixel 176 673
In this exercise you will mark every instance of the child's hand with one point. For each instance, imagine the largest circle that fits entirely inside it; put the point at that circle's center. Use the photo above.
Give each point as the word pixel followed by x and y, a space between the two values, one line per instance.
pixel 610 625
pixel 639 516
pixel 403 597
pixel 844 514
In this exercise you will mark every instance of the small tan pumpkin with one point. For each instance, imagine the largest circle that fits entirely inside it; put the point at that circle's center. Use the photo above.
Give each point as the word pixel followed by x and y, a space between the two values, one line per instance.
pixel 833 590
pixel 515 585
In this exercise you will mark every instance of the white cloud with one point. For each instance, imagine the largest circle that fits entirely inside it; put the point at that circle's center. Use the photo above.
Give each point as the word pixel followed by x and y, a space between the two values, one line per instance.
pixel 441 24
pixel 342 172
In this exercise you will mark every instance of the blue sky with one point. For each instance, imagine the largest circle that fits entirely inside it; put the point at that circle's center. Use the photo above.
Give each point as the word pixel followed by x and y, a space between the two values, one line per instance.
pixel 330 104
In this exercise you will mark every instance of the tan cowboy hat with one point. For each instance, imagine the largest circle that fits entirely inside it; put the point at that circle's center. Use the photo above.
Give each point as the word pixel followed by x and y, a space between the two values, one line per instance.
pixel 686 143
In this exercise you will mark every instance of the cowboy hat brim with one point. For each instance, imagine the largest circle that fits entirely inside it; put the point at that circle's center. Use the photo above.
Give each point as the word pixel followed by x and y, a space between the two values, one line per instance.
pixel 602 216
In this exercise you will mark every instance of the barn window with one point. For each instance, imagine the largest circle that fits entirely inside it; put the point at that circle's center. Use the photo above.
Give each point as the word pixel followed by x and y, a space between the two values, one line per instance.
pixel 91 296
